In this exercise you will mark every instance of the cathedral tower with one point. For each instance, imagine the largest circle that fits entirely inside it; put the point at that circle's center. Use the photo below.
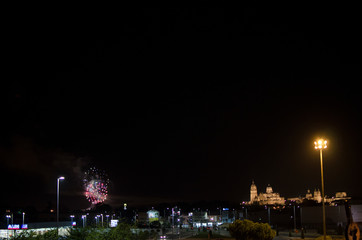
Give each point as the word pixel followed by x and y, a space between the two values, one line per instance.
pixel 317 196
pixel 253 192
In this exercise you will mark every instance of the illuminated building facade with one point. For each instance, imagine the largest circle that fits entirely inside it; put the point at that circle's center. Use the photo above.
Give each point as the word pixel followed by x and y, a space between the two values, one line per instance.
pixel 317 197
pixel 267 198
pixel 273 198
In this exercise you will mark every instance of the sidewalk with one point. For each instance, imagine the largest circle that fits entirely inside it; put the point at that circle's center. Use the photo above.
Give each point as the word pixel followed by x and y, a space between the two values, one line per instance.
pixel 307 236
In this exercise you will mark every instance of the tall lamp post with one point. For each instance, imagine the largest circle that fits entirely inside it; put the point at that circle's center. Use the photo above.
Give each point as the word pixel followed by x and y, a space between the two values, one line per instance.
pixel 7 219
pixel 107 216
pixel 96 217
pixel 71 220
pixel 84 217
pixel 59 178
pixel 322 144
pixel 23 218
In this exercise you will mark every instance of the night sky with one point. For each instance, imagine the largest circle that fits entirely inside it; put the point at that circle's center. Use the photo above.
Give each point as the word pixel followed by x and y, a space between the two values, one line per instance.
pixel 179 104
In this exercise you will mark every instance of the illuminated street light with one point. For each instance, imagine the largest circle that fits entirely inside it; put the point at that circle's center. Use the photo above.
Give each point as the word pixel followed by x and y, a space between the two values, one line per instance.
pixel 59 178
pixel 23 218
pixel 322 144
pixel 71 218
pixel 7 219
pixel 84 217
pixel 96 217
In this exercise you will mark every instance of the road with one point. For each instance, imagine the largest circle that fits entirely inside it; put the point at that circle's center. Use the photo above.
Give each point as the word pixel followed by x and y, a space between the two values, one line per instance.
pixel 188 233
pixel 184 234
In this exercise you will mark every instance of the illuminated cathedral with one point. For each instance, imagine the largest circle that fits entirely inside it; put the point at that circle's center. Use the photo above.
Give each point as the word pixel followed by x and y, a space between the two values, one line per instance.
pixel 267 198
pixel 273 198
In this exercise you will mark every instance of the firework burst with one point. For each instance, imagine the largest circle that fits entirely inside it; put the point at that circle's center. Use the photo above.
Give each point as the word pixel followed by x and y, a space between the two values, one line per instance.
pixel 95 184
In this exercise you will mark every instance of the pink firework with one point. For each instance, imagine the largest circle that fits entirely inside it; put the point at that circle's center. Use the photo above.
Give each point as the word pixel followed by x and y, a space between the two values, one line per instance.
pixel 95 185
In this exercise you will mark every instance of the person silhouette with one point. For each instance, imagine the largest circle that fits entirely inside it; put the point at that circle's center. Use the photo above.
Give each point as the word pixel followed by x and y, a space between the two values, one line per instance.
pixel 353 231
pixel 210 234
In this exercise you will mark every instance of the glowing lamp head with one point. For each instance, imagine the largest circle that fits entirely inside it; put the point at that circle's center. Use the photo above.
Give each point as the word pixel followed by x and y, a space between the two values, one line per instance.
pixel 61 178
pixel 320 144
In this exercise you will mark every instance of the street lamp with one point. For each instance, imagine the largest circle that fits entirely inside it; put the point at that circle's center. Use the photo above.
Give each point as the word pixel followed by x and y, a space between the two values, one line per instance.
pixel 295 220
pixel 71 219
pixel 322 144
pixel 23 218
pixel 84 217
pixel 7 219
pixel 12 222
pixel 107 216
pixel 96 217
pixel 59 178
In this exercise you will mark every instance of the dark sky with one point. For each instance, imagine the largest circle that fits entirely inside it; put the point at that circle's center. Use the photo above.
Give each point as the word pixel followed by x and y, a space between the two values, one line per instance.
pixel 179 104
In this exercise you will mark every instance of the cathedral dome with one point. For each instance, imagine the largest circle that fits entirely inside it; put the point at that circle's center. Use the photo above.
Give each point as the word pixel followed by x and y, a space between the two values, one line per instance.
pixel 269 189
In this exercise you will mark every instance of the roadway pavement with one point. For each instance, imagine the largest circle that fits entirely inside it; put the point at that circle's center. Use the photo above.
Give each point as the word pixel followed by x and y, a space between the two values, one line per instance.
pixel 185 234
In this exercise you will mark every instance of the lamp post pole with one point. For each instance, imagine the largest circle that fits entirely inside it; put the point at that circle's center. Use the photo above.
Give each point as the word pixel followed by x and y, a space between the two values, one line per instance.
pixel 97 220
pixel 7 220
pixel 59 178
pixel 295 220
pixel 323 197
pixel 322 144
pixel 23 218
pixel 7 226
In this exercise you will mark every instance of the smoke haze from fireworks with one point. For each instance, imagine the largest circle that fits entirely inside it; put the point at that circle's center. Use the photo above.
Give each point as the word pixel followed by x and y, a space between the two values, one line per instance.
pixel 95 184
